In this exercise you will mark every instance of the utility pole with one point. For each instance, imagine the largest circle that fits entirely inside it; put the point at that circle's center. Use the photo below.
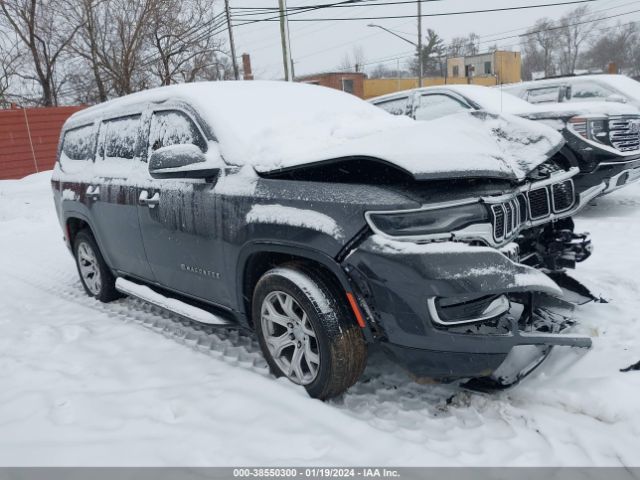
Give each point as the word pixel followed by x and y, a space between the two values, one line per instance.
pixel 283 37
pixel 420 66
pixel 291 65
pixel 234 60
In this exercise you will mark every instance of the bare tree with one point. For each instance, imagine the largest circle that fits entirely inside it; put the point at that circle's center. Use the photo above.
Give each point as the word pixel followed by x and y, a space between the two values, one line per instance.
pixel 43 28
pixel 463 46
pixel 353 62
pixel 618 46
pixel 576 29
pixel 10 63
pixel 182 37
pixel 122 28
pixel 540 43
pixel 91 83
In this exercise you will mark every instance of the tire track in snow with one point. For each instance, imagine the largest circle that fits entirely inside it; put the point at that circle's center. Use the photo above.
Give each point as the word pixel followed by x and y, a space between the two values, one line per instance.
pixel 385 397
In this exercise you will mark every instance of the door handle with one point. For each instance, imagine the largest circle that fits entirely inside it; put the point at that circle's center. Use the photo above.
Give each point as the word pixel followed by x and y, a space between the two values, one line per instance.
pixel 150 202
pixel 93 192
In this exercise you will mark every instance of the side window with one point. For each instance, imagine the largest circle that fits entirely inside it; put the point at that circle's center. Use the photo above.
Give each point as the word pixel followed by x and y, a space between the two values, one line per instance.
pixel 544 95
pixel 585 91
pixel 173 127
pixel 78 148
pixel 438 105
pixel 397 106
pixel 79 143
pixel 120 137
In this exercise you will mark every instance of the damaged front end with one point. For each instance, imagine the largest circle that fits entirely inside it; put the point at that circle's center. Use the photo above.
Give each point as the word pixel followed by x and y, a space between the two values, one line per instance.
pixel 451 311
pixel 465 290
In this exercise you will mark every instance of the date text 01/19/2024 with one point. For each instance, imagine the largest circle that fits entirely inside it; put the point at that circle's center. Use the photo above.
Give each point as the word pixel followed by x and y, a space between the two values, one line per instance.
pixel 315 473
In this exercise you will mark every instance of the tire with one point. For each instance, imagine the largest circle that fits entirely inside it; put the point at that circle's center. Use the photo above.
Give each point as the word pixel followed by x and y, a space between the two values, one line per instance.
pixel 95 275
pixel 311 326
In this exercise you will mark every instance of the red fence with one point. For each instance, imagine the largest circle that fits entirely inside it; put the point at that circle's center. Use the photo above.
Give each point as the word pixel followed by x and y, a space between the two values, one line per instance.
pixel 29 139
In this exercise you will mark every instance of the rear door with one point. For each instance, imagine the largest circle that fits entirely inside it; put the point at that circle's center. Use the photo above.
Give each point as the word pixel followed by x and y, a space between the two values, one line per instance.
pixel 178 218
pixel 113 195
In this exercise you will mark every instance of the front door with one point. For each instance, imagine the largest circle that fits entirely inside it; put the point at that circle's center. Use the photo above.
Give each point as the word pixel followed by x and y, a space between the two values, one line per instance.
pixel 178 219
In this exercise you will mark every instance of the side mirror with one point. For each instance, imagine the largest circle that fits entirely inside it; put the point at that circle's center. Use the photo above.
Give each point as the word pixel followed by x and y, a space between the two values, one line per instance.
pixel 181 161
pixel 614 97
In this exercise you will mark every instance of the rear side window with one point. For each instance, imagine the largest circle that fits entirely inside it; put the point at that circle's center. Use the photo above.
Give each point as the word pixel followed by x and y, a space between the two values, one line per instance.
pixel 544 95
pixel 584 91
pixel 173 127
pixel 121 136
pixel 397 106
pixel 79 143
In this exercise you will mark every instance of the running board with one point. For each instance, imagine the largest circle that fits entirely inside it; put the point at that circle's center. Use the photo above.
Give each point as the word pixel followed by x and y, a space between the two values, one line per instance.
pixel 171 304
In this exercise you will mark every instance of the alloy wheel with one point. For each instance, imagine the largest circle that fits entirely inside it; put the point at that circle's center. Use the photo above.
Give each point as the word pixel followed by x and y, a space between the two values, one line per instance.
pixel 89 268
pixel 290 337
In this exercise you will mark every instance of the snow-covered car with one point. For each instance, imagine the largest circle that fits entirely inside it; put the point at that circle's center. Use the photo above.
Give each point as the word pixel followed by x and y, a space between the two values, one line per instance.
pixel 325 225
pixel 603 139
pixel 579 88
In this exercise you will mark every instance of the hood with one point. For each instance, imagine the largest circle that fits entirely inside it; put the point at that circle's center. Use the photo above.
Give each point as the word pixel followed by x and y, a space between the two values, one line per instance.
pixel 465 145
pixel 567 110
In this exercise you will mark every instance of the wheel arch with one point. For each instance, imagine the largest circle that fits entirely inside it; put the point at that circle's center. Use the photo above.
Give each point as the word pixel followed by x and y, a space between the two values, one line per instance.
pixel 256 259
pixel 73 223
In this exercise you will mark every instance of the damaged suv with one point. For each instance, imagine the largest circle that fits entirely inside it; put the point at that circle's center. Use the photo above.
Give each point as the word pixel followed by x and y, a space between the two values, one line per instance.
pixel 326 225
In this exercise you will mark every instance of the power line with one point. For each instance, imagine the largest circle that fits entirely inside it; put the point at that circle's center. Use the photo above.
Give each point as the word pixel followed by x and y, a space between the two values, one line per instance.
pixel 269 10
pixel 411 54
pixel 388 17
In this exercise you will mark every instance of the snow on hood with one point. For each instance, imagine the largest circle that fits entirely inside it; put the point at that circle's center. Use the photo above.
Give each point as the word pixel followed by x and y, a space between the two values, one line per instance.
pixel 498 101
pixel 278 125
pixel 474 144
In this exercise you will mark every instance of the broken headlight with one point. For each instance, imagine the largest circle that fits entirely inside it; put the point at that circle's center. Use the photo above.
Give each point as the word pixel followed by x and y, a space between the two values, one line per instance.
pixel 428 221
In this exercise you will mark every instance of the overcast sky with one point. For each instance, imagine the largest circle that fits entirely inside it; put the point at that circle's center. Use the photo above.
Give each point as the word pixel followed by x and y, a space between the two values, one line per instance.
pixel 320 46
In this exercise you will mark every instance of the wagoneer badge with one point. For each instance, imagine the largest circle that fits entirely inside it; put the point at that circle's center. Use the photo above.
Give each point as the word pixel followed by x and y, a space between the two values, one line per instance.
pixel 199 271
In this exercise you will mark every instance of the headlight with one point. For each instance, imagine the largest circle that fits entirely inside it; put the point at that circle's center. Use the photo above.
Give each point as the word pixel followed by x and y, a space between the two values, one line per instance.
pixel 596 129
pixel 428 222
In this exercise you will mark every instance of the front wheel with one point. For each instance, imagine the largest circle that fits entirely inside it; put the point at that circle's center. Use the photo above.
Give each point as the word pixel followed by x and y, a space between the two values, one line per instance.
pixel 95 275
pixel 306 333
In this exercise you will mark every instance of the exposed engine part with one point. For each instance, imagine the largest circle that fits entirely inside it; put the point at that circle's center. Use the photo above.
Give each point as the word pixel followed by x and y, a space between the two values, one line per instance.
pixel 554 246
pixel 542 314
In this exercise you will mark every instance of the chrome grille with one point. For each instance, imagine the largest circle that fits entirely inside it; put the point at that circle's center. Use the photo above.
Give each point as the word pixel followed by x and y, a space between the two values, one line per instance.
pixel 563 196
pixel 498 221
pixel 509 216
pixel 539 203
pixel 624 133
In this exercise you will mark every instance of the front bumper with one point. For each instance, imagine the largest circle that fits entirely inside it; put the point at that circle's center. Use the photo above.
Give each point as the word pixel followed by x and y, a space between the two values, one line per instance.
pixel 613 175
pixel 396 281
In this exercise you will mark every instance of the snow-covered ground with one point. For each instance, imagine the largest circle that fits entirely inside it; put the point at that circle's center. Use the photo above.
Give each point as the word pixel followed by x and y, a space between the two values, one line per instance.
pixel 82 383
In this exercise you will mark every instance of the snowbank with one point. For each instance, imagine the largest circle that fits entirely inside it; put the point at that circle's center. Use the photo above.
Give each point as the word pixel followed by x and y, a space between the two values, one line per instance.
pixel 85 383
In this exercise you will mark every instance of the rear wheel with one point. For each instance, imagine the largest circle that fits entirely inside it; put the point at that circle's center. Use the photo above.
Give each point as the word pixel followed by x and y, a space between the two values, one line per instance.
pixel 95 275
pixel 306 333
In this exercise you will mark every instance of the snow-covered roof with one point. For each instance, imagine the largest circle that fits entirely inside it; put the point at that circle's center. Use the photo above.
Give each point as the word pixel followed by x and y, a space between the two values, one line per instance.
pixel 277 125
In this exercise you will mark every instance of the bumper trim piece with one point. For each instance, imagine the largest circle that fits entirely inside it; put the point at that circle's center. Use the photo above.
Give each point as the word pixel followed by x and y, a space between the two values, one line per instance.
pixel 497 307
pixel 634 176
